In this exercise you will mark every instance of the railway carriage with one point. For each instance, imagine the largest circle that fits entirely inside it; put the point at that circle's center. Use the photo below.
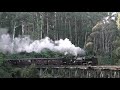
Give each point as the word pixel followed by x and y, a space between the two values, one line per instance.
pixel 54 61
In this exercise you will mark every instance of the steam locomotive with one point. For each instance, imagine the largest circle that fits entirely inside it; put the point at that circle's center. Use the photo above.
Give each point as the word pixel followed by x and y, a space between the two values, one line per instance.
pixel 71 60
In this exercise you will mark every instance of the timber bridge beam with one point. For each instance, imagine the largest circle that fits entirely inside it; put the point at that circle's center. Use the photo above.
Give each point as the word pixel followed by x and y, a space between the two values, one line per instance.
pixel 79 71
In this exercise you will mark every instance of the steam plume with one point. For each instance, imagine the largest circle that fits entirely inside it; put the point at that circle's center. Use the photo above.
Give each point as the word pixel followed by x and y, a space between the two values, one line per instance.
pixel 27 45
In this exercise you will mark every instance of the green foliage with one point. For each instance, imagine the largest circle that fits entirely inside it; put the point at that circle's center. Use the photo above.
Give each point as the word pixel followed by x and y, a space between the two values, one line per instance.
pixel 16 72
pixel 105 60
pixel 44 54
pixel 118 62
pixel 118 52
pixel 76 26
pixel 5 69
pixel 58 24
pixel 2 56
pixel 25 72
pixel 30 72
pixel 4 73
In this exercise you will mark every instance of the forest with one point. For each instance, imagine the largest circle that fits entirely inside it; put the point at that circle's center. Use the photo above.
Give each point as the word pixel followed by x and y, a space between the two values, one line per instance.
pixel 96 32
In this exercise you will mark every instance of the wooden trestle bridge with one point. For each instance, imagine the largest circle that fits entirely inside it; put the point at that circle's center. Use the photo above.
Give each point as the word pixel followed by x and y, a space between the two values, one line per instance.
pixel 79 71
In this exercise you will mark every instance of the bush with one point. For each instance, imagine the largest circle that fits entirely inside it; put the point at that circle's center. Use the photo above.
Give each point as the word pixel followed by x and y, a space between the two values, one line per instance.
pixel 105 60
pixel 43 54
pixel 30 72
pixel 4 73
pixel 2 56
pixel 16 72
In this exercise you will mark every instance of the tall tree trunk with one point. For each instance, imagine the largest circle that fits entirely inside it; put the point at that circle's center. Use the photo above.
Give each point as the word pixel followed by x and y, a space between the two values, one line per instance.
pixel 34 27
pixel 23 26
pixel 103 40
pixel 70 34
pixel 75 32
pixel 85 39
pixel 41 25
pixel 65 32
pixel 14 26
pixel 58 27
pixel 47 25
pixel 62 36
pixel 54 26
pixel 37 19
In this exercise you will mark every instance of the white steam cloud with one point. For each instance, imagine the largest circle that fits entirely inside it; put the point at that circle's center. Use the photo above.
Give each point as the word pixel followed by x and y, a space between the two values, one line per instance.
pixel 27 45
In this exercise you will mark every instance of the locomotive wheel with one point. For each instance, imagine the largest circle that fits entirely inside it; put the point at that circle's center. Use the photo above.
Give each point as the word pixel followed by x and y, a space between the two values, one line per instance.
pixel 85 64
pixel 90 63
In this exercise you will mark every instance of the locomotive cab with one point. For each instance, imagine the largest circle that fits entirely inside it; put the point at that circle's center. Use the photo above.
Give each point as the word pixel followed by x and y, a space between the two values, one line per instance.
pixel 94 61
pixel 86 60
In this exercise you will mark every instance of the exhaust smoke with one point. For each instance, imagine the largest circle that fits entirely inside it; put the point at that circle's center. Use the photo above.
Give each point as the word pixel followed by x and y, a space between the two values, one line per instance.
pixel 25 44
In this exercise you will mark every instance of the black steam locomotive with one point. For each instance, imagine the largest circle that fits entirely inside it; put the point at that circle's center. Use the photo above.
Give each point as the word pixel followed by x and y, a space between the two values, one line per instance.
pixel 71 60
